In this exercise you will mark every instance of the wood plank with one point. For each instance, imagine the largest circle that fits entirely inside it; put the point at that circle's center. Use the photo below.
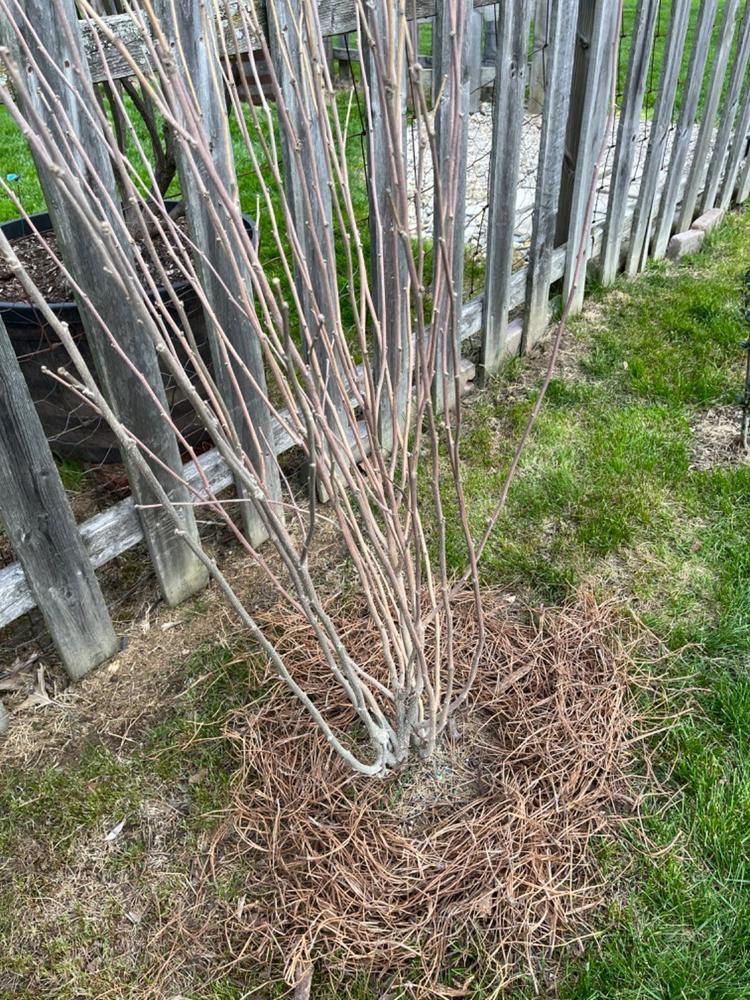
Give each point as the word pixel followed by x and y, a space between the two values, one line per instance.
pixel 743 185
pixel 386 110
pixel 628 133
pixel 507 124
pixel 475 61
pixel 43 531
pixel 451 40
pixel 737 152
pixel 336 17
pixel 208 182
pixel 683 136
pixel 97 265
pixel 560 56
pixel 702 151
pixel 661 123
pixel 592 95
pixel 295 53
pixel 539 57
pixel 728 116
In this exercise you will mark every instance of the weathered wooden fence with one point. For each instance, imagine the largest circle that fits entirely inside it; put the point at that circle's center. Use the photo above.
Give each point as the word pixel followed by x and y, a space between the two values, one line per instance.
pixel 675 155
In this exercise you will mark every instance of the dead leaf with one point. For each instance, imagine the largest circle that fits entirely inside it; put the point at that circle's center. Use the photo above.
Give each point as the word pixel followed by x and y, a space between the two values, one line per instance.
pixel 115 832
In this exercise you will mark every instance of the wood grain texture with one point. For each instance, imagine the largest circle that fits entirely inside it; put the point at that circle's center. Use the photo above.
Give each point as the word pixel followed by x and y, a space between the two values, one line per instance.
pixel 43 532
pixel 78 182
pixel 510 88
pixel 450 53
pixel 661 123
pixel 209 189
pixel 561 52
pixel 702 151
pixel 691 93
pixel 386 110
pixel 296 53
pixel 592 95
pixel 737 153
pixel 628 132
pixel 728 116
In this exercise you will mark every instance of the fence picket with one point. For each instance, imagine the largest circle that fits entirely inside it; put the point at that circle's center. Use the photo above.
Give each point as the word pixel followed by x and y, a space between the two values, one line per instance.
pixel 539 57
pixel 451 39
pixel 386 114
pixel 513 22
pixel 640 236
pixel 43 532
pixel 644 27
pixel 51 34
pixel 560 55
pixel 684 133
pixel 728 115
pixel 587 122
pixel 293 48
pixel 208 183
pixel 700 161
pixel 737 151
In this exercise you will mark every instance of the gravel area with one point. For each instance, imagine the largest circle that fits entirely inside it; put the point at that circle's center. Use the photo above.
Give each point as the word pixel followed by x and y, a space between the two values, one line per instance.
pixel 477 178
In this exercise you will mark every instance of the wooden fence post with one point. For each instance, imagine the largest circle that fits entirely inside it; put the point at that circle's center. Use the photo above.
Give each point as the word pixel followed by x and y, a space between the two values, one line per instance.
pixel 43 532
pixel 475 61
pixel 591 96
pixel 640 236
pixel 52 36
pixel 560 55
pixel 453 21
pixel 644 26
pixel 511 61
pixel 539 58
pixel 211 197
pixel 684 134
pixel 700 162
pixel 743 185
pixel 293 51
pixel 728 115
pixel 386 109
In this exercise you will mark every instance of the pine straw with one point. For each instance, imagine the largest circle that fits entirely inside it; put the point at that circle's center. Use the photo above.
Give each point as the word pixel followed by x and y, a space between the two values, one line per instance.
pixel 487 850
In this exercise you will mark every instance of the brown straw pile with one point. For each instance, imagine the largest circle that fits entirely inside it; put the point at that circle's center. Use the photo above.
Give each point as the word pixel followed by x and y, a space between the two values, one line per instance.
pixel 481 858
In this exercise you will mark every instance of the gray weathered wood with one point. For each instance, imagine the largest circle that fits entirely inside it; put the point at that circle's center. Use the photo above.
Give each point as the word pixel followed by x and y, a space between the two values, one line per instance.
pixel 728 116
pixel 510 87
pixel 644 25
pixel 386 128
pixel 743 185
pixel 737 152
pixel 661 123
pixel 701 153
pixel 592 94
pixel 336 16
pixel 295 53
pixel 4 719
pixel 104 302
pixel 560 56
pixel 539 57
pixel 451 62
pixel 475 61
pixel 691 93
pixel 209 189
pixel 43 532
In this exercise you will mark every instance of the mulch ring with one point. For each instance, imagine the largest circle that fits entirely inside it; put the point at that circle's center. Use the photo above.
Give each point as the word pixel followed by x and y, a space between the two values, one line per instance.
pixel 716 441
pixel 482 858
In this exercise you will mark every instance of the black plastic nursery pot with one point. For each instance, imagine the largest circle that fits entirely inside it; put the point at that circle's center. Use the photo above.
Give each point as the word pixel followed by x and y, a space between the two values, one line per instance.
pixel 71 428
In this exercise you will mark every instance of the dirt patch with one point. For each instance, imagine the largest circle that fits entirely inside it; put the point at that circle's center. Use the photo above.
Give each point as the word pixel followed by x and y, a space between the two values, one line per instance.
pixel 486 850
pixel 715 441
pixel 40 258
